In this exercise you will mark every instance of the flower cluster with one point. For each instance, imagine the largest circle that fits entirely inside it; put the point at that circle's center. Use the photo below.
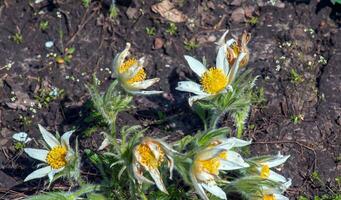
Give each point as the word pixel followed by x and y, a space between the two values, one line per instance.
pixel 208 161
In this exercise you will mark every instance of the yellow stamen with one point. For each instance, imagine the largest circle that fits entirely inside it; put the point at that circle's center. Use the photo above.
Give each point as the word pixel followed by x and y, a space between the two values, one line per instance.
pixel 265 172
pixel 147 158
pixel 269 197
pixel 56 157
pixel 213 81
pixel 212 165
pixel 139 76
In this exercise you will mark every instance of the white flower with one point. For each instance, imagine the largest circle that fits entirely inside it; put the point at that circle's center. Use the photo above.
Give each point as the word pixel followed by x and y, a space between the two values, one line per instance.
pixel 56 157
pixel 21 137
pixel 208 162
pixel 266 173
pixel 150 155
pixel 214 80
pixel 131 74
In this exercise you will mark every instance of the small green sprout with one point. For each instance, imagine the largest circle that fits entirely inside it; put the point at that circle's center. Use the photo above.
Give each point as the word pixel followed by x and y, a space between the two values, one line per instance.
pixel 18 146
pixel 151 31
pixel 295 77
pixel 253 21
pixel 322 60
pixel 302 198
pixel 68 54
pixel 191 45
pixel 86 3
pixel 44 25
pixel 46 95
pixel 336 1
pixel 113 12
pixel 315 176
pixel 17 38
pixel 25 120
pixel 172 29
pixel 296 119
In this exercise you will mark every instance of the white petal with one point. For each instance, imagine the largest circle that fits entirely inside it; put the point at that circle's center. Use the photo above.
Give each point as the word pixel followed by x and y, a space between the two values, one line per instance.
pixel 38 173
pixel 192 99
pixel 233 161
pixel 204 176
pixel 221 60
pixel 215 190
pixel 141 85
pixel 196 66
pixel 276 177
pixel 286 185
pixel 53 172
pixel 39 154
pixel 221 40
pixel 238 142
pixel 142 61
pixel 276 160
pixel 148 92
pixel 48 137
pixel 280 197
pixel 130 73
pixel 119 59
pixel 170 166
pixel 139 176
pixel 208 153
pixel 66 138
pixel 155 174
pixel 235 68
pixel 104 144
pixel 190 86
pixel 21 137
pixel 229 42
pixel 198 188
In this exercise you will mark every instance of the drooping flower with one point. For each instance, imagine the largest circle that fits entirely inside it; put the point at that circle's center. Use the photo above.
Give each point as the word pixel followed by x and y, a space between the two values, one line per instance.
pixel 131 74
pixel 215 157
pixel 233 48
pixel 149 155
pixel 214 80
pixel 56 157
pixel 266 173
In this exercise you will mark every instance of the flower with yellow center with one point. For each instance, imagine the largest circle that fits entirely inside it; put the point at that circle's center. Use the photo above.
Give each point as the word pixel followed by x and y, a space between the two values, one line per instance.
pixel 215 157
pixel 213 81
pixel 149 155
pixel 56 157
pixel 264 168
pixel 131 74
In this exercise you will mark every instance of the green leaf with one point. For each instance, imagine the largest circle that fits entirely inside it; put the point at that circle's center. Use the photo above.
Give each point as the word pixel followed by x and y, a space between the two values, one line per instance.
pixel 205 138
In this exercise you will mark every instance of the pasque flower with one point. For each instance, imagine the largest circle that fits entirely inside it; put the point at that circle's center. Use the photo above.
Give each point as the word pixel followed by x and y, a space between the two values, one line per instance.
pixel 131 74
pixel 215 157
pixel 149 155
pixel 56 157
pixel 214 80
pixel 265 171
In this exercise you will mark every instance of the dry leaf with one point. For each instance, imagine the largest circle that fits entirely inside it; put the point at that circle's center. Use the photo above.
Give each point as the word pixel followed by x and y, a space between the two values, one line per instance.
pixel 167 10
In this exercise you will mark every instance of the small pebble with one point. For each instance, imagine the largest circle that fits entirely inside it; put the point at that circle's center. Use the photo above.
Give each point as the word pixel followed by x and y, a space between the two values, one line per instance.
pixel 49 44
